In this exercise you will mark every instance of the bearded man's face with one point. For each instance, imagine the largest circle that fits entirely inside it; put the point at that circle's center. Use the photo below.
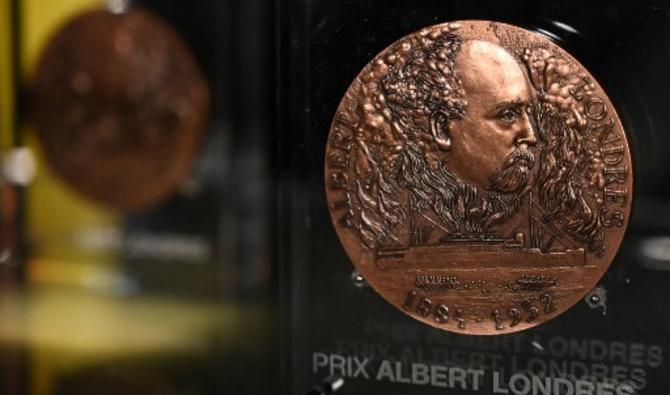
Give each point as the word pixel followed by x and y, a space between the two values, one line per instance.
pixel 489 145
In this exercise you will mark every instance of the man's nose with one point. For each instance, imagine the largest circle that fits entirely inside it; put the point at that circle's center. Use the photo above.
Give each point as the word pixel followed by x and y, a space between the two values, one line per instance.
pixel 526 135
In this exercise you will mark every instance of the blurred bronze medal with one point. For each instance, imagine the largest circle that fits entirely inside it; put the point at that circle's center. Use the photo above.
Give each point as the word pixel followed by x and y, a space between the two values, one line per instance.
pixel 120 107
pixel 478 177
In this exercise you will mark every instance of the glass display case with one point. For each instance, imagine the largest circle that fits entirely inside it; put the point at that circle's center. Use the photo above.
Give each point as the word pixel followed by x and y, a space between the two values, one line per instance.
pixel 342 335
pixel 265 267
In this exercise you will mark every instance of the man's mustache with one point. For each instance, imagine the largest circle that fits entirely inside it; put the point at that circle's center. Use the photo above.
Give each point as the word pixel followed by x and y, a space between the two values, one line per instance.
pixel 514 173
pixel 519 155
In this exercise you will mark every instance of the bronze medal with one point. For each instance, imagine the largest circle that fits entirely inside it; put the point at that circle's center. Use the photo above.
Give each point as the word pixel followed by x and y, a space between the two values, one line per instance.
pixel 478 177
pixel 120 107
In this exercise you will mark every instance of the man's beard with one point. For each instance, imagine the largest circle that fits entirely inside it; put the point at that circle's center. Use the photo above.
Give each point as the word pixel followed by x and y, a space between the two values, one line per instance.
pixel 513 176
pixel 459 208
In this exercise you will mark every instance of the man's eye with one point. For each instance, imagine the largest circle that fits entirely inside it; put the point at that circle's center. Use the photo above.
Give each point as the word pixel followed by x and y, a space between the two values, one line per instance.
pixel 507 115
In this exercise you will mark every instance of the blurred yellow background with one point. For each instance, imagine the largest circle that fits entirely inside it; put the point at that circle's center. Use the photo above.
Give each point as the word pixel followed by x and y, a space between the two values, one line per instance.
pixel 56 223
pixel 63 319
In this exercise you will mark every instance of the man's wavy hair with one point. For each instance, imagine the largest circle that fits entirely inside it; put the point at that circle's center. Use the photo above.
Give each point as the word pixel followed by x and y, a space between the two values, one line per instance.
pixel 424 84
pixel 420 84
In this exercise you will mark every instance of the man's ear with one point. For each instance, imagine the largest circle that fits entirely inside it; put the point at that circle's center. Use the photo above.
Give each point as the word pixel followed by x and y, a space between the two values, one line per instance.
pixel 439 129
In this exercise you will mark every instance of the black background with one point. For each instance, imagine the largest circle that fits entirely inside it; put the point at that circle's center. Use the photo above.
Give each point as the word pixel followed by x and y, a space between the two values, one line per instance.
pixel 323 46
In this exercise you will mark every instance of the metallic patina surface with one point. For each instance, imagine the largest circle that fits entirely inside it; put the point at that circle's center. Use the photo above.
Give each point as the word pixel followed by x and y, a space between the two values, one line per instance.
pixel 478 177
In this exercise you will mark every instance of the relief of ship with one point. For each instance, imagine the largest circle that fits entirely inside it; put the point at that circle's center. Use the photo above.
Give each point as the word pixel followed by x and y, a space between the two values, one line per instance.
pixel 488 250
pixel 477 252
